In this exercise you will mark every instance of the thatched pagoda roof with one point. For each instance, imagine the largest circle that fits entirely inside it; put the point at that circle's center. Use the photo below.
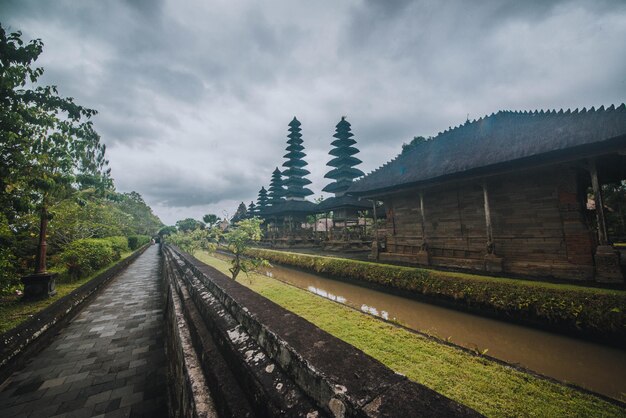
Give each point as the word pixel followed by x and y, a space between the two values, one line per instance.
pixel 496 142
pixel 291 207
pixel 335 203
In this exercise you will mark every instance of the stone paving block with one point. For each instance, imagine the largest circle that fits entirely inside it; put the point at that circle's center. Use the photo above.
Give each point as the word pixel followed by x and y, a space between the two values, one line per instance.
pixel 108 361
pixel 118 413
pixel 98 398
pixel 129 400
pixel 120 392
pixel 107 406
pixel 53 382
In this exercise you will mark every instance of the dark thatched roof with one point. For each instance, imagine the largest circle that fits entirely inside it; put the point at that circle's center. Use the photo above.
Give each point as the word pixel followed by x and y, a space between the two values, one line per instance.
pixel 334 203
pixel 501 138
pixel 289 207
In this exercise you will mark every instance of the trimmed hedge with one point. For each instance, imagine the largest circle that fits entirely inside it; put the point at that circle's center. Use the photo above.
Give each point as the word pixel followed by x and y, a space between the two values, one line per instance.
pixel 84 256
pixel 593 312
pixel 136 241
pixel 119 244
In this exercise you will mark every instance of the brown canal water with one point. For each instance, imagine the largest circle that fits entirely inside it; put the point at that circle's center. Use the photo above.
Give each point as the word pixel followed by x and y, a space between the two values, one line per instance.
pixel 592 366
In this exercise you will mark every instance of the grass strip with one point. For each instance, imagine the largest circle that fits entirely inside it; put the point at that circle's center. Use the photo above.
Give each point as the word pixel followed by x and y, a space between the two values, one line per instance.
pixel 596 312
pixel 487 386
pixel 14 311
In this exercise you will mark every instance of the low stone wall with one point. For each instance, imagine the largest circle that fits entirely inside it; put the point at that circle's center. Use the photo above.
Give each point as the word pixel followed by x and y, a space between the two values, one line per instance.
pixel 23 341
pixel 285 365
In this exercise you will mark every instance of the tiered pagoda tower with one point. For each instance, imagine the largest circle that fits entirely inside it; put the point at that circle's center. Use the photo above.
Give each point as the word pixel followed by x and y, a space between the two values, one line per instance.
pixel 295 172
pixel 276 190
pixel 344 161
pixel 239 214
pixel 346 209
pixel 252 210
pixel 262 201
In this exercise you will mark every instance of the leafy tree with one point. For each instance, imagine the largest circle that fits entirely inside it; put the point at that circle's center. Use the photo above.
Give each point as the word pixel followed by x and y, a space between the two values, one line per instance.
pixel 166 231
pixel 238 239
pixel 72 221
pixel 414 142
pixel 189 224
pixel 143 220
pixel 192 241
pixel 47 140
pixel 211 220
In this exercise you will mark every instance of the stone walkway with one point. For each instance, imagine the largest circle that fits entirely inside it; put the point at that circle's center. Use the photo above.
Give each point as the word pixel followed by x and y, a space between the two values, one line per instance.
pixel 109 361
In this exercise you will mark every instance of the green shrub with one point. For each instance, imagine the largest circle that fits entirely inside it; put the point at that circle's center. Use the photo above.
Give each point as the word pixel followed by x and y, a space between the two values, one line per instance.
pixel 84 256
pixel 136 241
pixel 590 311
pixel 119 244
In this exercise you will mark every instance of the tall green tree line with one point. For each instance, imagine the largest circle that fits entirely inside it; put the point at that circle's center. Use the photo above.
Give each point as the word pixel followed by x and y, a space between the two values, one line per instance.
pixel 52 165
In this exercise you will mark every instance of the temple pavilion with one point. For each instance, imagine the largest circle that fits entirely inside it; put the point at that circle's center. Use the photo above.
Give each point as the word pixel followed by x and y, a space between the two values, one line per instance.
pixel 506 194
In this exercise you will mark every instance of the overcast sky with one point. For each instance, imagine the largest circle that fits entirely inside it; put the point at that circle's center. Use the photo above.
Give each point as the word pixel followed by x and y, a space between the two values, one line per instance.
pixel 194 97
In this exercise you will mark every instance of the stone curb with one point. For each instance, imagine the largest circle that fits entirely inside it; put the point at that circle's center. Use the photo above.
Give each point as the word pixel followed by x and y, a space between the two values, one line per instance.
pixel 259 379
pixel 341 379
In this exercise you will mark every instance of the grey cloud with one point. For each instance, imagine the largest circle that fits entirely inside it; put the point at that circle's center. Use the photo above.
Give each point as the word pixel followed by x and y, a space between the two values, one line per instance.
pixel 194 97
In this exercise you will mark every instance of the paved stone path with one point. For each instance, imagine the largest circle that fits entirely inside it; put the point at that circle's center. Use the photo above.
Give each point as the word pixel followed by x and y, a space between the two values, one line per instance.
pixel 109 361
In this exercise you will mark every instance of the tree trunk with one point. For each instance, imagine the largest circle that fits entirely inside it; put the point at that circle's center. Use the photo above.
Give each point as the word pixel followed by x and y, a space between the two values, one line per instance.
pixel 40 266
pixel 236 267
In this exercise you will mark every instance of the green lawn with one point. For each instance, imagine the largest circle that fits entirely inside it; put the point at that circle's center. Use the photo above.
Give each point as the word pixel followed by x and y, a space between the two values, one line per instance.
pixel 488 387
pixel 13 311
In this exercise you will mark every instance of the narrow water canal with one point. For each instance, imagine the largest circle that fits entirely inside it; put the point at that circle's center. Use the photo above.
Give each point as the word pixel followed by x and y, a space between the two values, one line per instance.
pixel 589 365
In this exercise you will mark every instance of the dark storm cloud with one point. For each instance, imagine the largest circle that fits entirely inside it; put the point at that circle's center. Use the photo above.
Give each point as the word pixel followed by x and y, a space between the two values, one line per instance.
pixel 194 97
pixel 174 186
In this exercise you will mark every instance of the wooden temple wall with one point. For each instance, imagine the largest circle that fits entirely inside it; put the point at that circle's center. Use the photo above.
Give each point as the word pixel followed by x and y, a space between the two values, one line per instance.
pixel 537 217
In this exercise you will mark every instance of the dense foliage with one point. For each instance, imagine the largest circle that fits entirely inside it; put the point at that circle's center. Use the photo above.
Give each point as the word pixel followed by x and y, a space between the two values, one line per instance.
pixel 54 178
pixel 84 256
pixel 594 312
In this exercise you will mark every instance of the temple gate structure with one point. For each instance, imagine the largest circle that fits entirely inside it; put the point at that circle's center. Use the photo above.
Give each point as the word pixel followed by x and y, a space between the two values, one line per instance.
pixel 506 194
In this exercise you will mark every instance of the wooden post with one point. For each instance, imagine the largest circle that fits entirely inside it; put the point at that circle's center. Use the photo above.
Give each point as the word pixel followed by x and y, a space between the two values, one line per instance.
pixel 393 217
pixel 493 263
pixel 40 263
pixel 597 197
pixel 375 249
pixel 606 258
pixel 423 214
pixel 327 231
pixel 490 248
pixel 364 224
pixel 375 220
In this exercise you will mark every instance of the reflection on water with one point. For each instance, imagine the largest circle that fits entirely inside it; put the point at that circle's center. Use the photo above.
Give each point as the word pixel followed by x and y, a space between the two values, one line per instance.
pixel 326 295
pixel 593 366
pixel 373 311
